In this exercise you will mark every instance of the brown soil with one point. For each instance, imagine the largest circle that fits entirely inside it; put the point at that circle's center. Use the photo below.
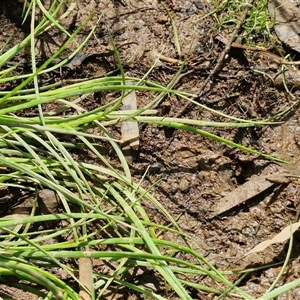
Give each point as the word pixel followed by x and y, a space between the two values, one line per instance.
pixel 197 172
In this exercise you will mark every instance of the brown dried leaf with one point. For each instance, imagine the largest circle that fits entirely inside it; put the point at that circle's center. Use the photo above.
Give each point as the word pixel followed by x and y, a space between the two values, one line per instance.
pixel 130 130
pixel 279 238
pixel 85 277
pixel 248 190
pixel 286 15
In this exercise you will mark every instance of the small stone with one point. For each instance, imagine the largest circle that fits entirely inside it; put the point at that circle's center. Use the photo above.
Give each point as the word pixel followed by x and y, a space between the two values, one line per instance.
pixel 155 168
pixel 184 186
pixel 174 188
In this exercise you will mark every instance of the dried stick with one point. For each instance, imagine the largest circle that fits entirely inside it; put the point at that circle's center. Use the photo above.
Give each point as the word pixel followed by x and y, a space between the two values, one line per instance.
pixel 222 56
pixel 227 47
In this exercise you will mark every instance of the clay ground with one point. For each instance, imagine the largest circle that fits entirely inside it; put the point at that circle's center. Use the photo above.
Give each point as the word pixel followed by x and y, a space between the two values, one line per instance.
pixel 196 171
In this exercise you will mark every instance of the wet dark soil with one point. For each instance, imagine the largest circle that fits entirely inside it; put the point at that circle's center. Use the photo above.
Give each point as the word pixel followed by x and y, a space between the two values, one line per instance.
pixel 196 172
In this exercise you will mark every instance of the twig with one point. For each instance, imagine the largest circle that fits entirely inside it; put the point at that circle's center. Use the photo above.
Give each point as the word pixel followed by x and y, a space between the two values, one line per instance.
pixel 222 56
pixel 175 80
pixel 227 47
pixel 277 59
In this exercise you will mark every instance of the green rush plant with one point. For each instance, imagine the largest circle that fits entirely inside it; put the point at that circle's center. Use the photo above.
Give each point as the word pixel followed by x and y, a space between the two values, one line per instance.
pixel 39 152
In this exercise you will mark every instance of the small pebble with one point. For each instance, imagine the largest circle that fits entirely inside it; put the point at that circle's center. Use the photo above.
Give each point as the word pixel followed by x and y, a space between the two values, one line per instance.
pixel 184 186
pixel 174 187
pixel 155 168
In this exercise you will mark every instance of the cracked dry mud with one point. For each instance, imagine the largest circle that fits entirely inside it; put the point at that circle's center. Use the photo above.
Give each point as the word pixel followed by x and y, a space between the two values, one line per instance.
pixel 197 172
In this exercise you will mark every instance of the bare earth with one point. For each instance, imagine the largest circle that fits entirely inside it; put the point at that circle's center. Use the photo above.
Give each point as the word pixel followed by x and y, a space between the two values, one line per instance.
pixel 197 172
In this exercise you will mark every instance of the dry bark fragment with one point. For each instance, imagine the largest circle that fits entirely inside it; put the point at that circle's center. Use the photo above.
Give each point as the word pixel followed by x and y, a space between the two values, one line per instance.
pixel 248 190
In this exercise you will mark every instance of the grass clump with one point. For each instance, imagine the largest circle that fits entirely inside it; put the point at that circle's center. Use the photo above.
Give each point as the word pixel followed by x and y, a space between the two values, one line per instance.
pixel 102 217
pixel 256 25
